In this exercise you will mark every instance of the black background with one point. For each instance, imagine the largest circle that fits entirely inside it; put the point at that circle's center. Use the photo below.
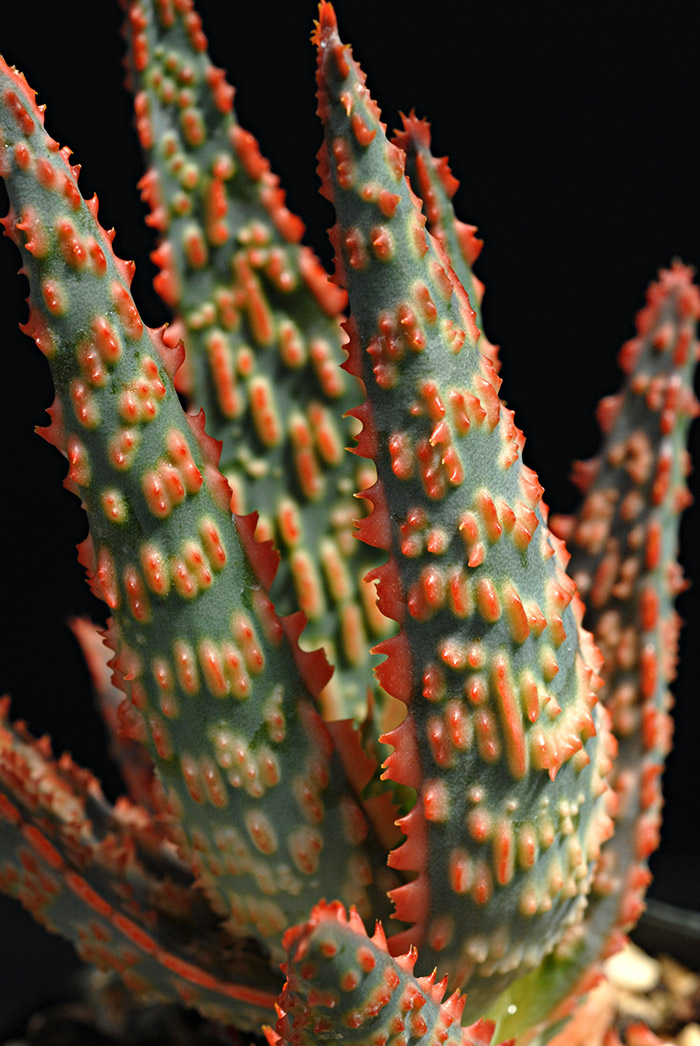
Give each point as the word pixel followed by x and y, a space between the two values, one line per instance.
pixel 574 136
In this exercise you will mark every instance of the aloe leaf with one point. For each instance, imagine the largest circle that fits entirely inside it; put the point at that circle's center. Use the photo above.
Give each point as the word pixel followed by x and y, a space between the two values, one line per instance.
pixel 342 982
pixel 103 877
pixel 436 186
pixel 261 804
pixel 502 741
pixel 261 326
pixel 624 549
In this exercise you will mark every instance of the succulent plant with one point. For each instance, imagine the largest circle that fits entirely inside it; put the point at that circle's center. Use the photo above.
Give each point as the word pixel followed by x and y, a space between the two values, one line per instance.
pixel 367 734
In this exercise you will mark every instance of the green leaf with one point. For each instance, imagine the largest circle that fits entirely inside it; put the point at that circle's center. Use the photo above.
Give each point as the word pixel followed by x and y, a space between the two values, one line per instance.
pixel 502 741
pixel 261 326
pixel 261 804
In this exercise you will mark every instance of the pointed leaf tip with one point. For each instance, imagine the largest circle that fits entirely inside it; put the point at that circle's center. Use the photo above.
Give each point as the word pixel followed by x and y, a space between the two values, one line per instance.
pixel 414 127
pixel 327 23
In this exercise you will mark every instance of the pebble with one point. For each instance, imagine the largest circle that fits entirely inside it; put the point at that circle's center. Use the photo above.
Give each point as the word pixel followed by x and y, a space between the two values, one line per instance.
pixel 633 970
pixel 690 1036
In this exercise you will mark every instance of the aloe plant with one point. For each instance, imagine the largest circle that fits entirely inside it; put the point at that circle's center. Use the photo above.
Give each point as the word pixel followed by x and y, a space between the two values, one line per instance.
pixel 438 787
